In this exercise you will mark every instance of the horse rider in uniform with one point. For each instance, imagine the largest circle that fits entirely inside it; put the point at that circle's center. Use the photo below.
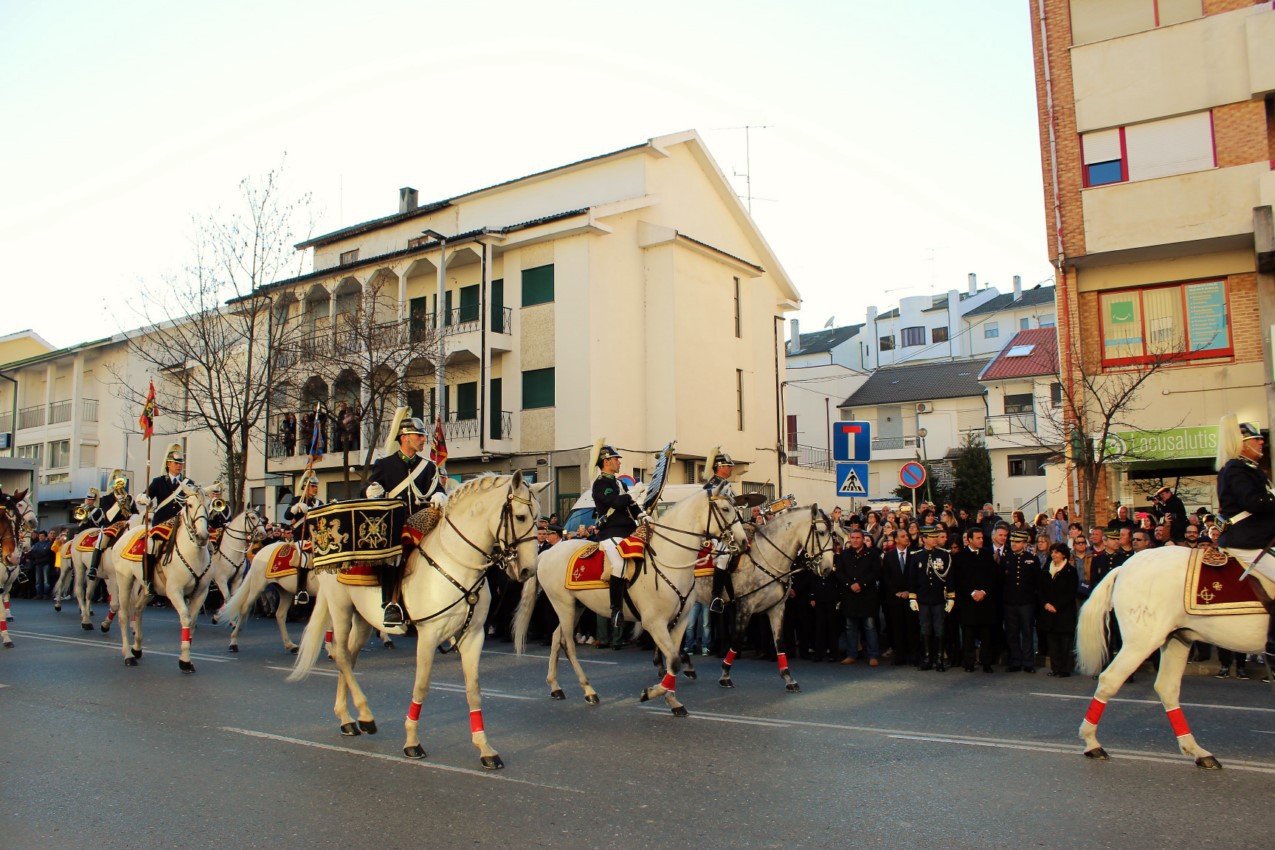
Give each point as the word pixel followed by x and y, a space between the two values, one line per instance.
pixel 723 588
pixel 616 512
pixel 165 495
pixel 84 513
pixel 218 514
pixel 112 517
pixel 404 474
pixel 304 503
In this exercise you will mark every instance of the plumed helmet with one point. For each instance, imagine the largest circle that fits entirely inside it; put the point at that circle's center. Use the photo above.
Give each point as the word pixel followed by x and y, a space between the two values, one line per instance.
pixel 175 454
pixel 606 453
pixel 412 425
pixel 92 493
pixel 1250 431
pixel 722 459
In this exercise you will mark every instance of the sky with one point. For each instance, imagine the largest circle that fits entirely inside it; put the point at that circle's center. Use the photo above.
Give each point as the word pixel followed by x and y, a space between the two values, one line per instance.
pixel 895 147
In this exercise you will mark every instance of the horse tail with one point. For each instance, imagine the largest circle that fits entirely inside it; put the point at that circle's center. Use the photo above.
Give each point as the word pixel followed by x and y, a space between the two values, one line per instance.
pixel 313 639
pixel 1091 636
pixel 243 597
pixel 522 616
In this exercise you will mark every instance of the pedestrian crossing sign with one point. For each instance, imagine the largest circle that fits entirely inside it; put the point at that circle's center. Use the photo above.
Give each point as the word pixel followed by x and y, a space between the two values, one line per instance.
pixel 852 479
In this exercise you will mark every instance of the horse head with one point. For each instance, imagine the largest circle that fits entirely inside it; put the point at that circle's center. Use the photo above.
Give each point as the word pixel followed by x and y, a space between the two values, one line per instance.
pixel 195 511
pixel 818 545
pixel 9 548
pixel 723 516
pixel 515 534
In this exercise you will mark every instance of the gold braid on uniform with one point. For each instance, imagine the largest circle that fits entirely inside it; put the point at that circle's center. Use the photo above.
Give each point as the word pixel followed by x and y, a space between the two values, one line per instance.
pixel 931 563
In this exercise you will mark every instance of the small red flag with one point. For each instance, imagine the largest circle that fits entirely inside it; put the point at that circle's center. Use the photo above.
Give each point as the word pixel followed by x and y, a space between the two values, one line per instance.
pixel 438 449
pixel 147 420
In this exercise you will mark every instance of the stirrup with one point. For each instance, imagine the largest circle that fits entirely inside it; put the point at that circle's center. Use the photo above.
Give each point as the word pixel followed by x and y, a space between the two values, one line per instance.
pixel 717 606
pixel 90 575
pixel 393 615
pixel 302 598
pixel 617 619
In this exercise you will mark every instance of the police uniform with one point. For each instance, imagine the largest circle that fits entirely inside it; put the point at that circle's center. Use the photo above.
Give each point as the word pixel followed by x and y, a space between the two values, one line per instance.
pixel 1020 593
pixel 1245 499
pixel 931 594
pixel 411 479
pixel 300 526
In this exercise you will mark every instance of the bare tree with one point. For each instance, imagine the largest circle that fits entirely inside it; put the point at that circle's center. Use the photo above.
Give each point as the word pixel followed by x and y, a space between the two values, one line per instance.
pixel 208 329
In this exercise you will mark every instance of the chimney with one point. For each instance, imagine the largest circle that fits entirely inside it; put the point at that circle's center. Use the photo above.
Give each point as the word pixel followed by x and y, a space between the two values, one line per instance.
pixel 1018 287
pixel 407 199
pixel 794 343
pixel 872 314
pixel 973 284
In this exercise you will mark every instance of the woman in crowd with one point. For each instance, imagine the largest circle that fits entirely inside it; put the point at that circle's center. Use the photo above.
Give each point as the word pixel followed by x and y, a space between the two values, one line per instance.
pixel 1058 610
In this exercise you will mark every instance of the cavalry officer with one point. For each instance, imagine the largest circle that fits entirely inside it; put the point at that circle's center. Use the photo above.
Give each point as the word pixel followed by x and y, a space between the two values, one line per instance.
pixel 84 513
pixel 616 514
pixel 723 589
pixel 308 500
pixel 931 594
pixel 166 496
pixel 1244 494
pixel 1020 591
pixel 411 477
pixel 111 516
pixel 218 513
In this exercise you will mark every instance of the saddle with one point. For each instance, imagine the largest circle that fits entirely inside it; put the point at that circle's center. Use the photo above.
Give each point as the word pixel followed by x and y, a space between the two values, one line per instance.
pixel 588 568
pixel 1213 586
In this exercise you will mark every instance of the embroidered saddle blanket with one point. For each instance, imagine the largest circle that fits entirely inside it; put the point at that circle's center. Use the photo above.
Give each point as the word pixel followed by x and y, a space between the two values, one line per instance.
pixel 588 570
pixel 136 547
pixel 283 563
pixel 704 562
pixel 111 532
pixel 1213 586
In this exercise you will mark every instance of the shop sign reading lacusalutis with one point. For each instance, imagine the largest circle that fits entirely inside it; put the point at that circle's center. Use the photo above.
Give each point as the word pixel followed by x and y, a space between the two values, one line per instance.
pixel 1163 445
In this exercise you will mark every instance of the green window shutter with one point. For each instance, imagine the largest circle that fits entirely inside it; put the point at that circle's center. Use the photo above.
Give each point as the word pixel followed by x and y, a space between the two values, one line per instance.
pixel 537 388
pixel 537 285
pixel 498 305
pixel 467 400
pixel 469 303
pixel 495 402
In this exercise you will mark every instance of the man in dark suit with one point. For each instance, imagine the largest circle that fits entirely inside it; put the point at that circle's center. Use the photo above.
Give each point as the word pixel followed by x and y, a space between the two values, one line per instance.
pixel 901 624
pixel 976 600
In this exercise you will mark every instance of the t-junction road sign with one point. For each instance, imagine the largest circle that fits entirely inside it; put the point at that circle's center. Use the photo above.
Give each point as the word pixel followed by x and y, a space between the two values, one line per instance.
pixel 852 441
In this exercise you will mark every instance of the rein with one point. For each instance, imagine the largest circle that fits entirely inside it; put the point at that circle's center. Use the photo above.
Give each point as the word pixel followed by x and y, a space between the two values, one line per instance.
pixel 703 540
pixel 784 579
pixel 191 535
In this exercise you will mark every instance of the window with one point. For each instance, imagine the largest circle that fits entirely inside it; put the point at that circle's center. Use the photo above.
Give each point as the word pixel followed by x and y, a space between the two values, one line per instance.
pixel 791 422
pixel 88 456
pixel 739 325
pixel 1019 403
pixel 469 304
pixel 1177 145
pixel 348 257
pixel 1103 155
pixel 418 319
pixel 30 452
pixel 59 454
pixel 739 398
pixel 912 336
pixel 991 330
pixel 1024 323
pixel 1055 394
pixel 537 388
pixel 467 401
pixel 1047 320
pixel 498 306
pixel 886 343
pixel 418 241
pixel 1190 320
pixel 938 335
pixel 691 470
pixel 1027 465
pixel 537 285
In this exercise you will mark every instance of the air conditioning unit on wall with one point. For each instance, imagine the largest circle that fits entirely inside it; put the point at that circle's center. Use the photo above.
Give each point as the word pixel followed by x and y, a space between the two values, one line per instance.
pixel 924 407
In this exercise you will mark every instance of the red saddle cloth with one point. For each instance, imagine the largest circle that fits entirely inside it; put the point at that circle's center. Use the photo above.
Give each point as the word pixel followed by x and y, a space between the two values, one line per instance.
pixel 87 541
pixel 283 563
pixel 588 568
pixel 1218 588
pixel 704 563
pixel 360 575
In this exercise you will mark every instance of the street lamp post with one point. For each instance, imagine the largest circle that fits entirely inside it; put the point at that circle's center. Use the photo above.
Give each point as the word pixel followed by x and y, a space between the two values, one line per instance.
pixel 439 317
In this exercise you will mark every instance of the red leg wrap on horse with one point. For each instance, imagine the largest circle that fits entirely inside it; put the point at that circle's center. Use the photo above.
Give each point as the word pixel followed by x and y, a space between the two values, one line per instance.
pixel 730 657
pixel 414 711
pixel 669 683
pixel 110 615
pixel 185 635
pixel 327 636
pixel 1094 714
pixel 475 722
pixel 1178 721
pixel 4 627
pixel 783 661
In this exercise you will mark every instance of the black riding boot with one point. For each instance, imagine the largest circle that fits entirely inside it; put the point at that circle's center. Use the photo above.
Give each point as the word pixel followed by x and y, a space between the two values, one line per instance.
pixel 939 657
pixel 723 591
pixel 93 562
pixel 303 574
pixel 393 613
pixel 927 653
pixel 616 587
pixel 148 573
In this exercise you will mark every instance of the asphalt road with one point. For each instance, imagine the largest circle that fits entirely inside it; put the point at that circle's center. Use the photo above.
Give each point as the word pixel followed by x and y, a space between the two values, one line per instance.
pixel 96 755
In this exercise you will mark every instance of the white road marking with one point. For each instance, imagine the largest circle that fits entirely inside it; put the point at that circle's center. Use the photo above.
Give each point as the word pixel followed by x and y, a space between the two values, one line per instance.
pixel 403 760
pixel 433 686
pixel 1157 702
pixel 546 658
pixel 115 647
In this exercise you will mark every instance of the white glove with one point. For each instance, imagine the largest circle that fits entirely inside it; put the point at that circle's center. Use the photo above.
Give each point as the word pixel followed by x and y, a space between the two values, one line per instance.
pixel 949 605
pixel 638 492
pixel 912 604
pixel 300 508
pixel 375 490
pixel 438 500
pixel 142 501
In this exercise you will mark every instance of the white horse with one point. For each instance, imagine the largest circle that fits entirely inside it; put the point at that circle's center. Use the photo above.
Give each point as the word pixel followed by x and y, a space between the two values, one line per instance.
pixel 1147 595
pixel 660 591
pixel 239 605
pixel 489 521
pixel 791 542
pixel 229 557
pixel 187 572
pixel 75 578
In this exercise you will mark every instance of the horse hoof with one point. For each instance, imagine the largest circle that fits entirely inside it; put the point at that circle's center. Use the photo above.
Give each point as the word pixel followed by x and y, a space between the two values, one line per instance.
pixel 130 662
pixel 646 695
pixel 349 730
pixel 1097 753
pixel 690 674
pixel 557 694
pixel 8 644
pixel 680 711
pixel 793 687
pixel 1208 763
pixel 592 699
pixel 105 627
pixel 137 653
pixel 492 763
pixel 725 683
pixel 58 607
pixel 185 666
pixel 368 726
pixel 234 647
pixel 293 650
pixel 88 627
pixel 413 752
pixel 389 644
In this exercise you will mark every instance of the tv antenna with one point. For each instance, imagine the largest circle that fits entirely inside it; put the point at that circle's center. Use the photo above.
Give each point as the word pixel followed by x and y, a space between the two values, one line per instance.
pixel 748 169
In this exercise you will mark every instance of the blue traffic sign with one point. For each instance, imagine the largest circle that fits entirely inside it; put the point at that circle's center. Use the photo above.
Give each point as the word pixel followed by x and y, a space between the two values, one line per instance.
pixel 852 441
pixel 852 479
pixel 912 474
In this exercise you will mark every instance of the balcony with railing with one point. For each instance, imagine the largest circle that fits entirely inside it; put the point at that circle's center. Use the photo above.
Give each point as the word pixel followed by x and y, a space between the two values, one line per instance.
pixel 60 411
pixel 811 457
pixel 895 448
pixel 32 417
pixel 460 429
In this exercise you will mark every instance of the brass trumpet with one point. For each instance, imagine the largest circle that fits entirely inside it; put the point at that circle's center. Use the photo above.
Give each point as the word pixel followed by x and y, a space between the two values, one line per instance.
pixel 219 505
pixel 80 513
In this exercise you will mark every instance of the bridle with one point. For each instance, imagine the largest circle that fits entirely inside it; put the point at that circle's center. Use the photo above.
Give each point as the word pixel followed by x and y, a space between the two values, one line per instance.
pixel 807 556
pixel 715 528
pixel 251 525
pixel 187 524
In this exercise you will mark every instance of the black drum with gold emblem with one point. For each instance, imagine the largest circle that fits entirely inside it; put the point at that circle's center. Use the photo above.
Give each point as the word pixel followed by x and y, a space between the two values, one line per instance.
pixel 360 531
